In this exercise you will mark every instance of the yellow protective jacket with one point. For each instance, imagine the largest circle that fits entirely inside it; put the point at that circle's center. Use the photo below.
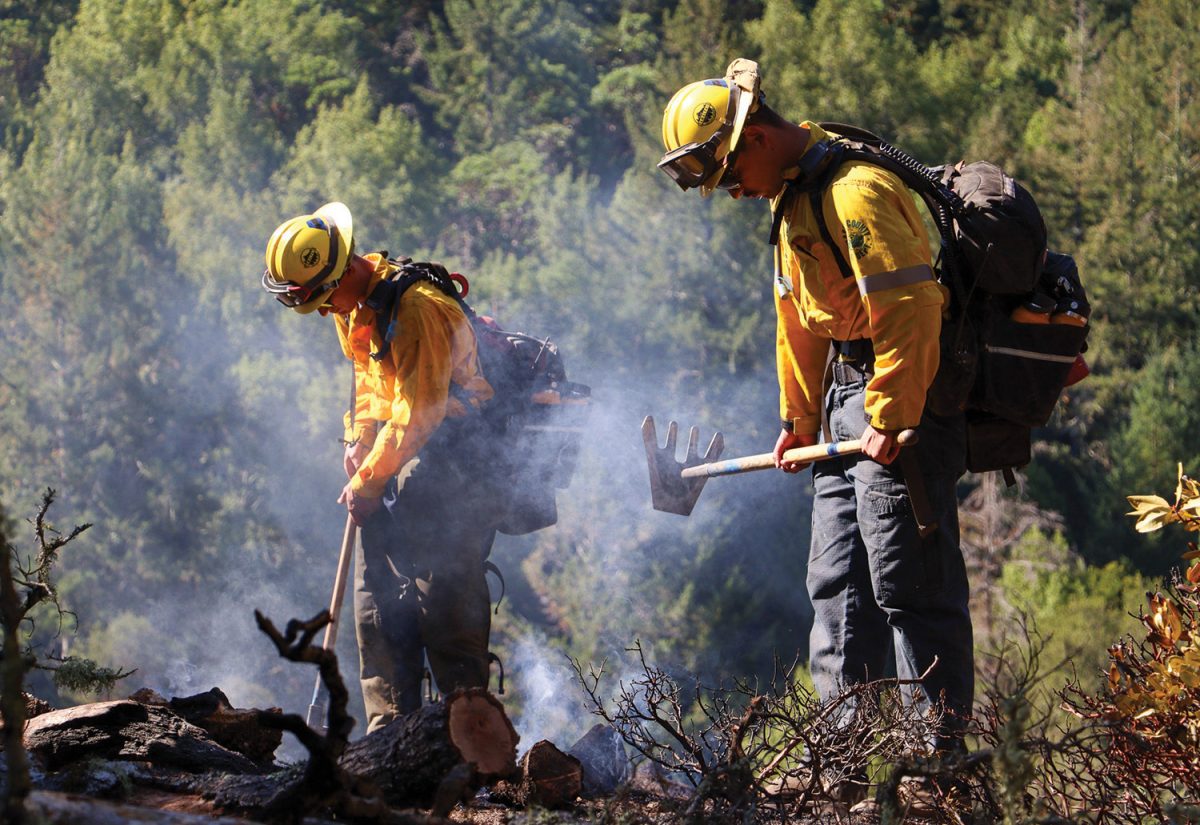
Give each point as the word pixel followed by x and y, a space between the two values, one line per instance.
pixel 892 300
pixel 402 398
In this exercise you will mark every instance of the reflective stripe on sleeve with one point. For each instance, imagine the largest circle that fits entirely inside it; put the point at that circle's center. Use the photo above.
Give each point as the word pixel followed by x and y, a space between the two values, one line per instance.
pixel 897 277
pixel 1035 356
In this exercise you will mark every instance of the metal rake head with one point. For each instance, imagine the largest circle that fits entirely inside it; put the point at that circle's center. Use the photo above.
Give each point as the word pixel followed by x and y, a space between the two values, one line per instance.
pixel 670 492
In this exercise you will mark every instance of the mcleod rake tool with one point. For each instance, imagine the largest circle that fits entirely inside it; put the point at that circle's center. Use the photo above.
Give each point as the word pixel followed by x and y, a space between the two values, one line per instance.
pixel 675 486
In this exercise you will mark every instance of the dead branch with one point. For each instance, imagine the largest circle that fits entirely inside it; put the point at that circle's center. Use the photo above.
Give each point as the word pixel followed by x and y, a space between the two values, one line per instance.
pixel 771 753
pixel 323 784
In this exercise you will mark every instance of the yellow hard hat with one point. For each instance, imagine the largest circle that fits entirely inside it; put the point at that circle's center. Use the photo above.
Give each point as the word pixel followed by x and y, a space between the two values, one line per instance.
pixel 307 255
pixel 702 124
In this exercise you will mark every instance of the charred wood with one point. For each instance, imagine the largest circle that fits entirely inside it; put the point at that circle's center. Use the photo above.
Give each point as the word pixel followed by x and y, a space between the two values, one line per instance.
pixel 549 778
pixel 124 729
pixel 236 729
pixel 322 784
pixel 409 758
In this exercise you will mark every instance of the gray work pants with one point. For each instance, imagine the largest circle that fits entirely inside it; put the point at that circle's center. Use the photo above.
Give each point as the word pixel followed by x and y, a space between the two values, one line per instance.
pixel 419 585
pixel 878 589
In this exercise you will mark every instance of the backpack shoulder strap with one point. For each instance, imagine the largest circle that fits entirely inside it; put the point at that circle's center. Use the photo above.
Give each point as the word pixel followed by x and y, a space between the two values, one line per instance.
pixel 385 297
pixel 817 168
pixel 856 143
pixel 815 197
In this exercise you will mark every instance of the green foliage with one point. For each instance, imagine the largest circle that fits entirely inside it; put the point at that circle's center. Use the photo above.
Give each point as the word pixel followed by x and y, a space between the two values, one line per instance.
pixel 1079 609
pixel 503 69
pixel 85 676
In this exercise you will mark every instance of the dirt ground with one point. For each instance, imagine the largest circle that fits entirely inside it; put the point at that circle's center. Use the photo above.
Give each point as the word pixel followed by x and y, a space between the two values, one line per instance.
pixel 634 810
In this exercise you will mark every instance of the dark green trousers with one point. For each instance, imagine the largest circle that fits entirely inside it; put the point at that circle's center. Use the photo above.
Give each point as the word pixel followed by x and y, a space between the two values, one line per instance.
pixel 419 586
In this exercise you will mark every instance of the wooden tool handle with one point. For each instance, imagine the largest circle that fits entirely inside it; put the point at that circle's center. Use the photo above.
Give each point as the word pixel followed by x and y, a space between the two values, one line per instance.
pixel 316 708
pixel 339 583
pixel 763 461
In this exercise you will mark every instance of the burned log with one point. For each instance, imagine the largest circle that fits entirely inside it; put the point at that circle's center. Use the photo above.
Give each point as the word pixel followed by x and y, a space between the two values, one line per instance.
pixel 128 730
pixel 234 728
pixel 321 784
pixel 409 758
pixel 549 778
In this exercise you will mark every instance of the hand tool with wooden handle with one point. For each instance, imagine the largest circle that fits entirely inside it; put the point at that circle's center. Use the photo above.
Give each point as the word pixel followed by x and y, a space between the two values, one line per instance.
pixel 675 486
pixel 316 708
pixel 763 461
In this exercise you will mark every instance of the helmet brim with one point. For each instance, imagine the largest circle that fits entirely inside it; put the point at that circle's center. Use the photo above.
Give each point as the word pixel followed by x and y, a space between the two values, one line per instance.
pixel 339 215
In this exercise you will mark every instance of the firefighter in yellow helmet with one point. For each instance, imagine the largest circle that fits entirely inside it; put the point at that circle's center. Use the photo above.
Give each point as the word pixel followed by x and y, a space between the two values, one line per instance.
pixel 876 585
pixel 415 445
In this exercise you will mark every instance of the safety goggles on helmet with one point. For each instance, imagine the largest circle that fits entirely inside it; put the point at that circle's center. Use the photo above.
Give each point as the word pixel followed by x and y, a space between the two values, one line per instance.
pixel 292 294
pixel 693 163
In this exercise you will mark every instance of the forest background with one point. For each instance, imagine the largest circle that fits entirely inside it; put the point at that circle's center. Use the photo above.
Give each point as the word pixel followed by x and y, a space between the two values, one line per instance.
pixel 151 146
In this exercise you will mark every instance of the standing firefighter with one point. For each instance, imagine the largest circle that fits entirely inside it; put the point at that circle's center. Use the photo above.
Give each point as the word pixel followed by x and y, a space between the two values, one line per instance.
pixel 878 587
pixel 414 442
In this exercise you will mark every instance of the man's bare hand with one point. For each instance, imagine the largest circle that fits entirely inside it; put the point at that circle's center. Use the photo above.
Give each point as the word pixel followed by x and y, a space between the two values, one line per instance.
pixel 359 506
pixel 354 456
pixel 880 445
pixel 788 441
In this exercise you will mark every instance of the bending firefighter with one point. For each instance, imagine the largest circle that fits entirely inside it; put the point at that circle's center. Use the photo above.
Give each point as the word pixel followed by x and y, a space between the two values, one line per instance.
pixel 414 438
pixel 878 588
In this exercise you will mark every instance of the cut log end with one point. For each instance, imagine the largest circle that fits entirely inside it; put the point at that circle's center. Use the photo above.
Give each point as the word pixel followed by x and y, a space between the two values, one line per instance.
pixel 552 778
pixel 482 733
pixel 549 778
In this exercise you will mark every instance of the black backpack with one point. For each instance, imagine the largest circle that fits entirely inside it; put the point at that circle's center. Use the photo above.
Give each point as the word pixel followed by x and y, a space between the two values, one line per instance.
pixel 535 418
pixel 1005 375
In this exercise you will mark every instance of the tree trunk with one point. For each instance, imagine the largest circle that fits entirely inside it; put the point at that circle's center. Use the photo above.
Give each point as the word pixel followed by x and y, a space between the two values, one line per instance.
pixel 12 701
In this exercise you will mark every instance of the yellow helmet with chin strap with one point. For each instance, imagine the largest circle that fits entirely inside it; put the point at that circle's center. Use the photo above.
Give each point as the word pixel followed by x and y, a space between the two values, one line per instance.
pixel 703 122
pixel 307 256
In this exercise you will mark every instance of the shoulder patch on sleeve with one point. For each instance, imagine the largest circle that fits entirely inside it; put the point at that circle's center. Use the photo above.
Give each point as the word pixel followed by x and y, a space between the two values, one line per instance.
pixel 858 236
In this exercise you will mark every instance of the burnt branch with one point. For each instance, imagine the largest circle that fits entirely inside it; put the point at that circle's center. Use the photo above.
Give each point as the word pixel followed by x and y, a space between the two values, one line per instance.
pixel 323 784
pixel 34 575
pixel 296 645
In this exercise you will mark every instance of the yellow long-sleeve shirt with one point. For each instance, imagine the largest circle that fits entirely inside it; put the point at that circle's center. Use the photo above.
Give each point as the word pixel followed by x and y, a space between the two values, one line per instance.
pixel 893 298
pixel 402 398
